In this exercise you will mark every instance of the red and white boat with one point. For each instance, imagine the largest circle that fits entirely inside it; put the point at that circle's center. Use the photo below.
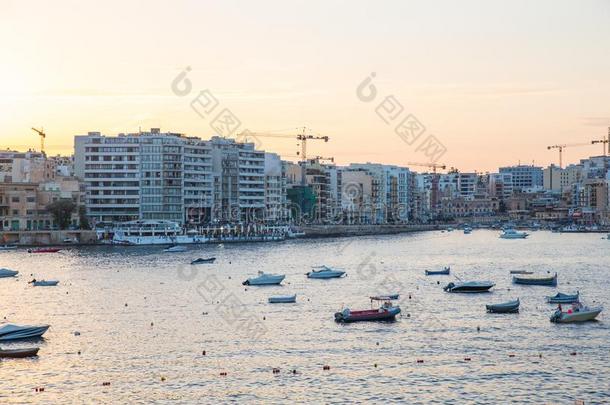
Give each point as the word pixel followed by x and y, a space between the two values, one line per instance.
pixel 386 312
pixel 44 250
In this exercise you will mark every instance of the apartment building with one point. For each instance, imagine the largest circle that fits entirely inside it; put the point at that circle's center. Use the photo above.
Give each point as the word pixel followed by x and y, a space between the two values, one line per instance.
pixel 524 176
pixel 146 175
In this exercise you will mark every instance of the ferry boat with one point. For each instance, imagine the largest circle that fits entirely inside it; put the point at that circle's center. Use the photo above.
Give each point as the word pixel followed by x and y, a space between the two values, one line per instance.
pixel 148 233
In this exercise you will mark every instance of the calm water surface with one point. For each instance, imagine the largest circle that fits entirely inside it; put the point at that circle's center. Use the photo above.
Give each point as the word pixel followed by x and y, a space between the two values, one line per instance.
pixel 145 318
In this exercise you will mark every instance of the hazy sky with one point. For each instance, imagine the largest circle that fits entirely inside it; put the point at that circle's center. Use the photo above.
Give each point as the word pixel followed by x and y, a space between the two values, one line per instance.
pixel 495 82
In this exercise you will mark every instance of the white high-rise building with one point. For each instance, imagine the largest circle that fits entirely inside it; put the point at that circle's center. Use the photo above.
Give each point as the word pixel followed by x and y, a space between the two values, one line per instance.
pixel 146 175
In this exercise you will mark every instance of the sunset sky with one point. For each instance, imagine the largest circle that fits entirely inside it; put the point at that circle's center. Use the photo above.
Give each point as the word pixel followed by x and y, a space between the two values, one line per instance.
pixel 495 82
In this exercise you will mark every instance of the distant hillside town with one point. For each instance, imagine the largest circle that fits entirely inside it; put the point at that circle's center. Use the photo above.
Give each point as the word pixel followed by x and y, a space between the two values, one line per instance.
pixel 164 176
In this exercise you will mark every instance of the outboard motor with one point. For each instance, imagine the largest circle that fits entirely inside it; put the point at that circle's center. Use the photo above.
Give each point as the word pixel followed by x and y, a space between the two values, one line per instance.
pixel 449 286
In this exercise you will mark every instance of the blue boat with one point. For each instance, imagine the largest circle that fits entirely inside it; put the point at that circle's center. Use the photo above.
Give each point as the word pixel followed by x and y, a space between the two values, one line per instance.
pixel 548 281
pixel 509 307
pixel 444 272
pixel 561 298
pixel 283 299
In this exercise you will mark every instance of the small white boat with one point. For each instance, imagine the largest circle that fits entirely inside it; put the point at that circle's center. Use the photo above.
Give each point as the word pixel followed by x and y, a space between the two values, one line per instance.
pixel 10 331
pixel 324 272
pixel 175 249
pixel 8 247
pixel 467 230
pixel 8 273
pixel 283 299
pixel 44 283
pixel 265 279
pixel 512 234
pixel 578 313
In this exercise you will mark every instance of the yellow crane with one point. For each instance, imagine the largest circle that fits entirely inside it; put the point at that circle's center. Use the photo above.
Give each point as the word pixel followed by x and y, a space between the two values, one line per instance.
pixel 302 137
pixel 320 158
pixel 433 166
pixel 42 136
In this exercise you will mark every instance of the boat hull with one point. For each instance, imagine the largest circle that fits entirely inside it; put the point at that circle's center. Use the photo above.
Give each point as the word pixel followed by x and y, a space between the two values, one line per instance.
pixel 45 283
pixel 19 353
pixel 574 317
pixel 283 299
pixel 373 315
pixel 8 273
pixel 24 333
pixel 563 299
pixel 545 281
pixel 469 287
pixel 437 273
pixel 325 275
pixel 204 261
pixel 511 307
pixel 273 280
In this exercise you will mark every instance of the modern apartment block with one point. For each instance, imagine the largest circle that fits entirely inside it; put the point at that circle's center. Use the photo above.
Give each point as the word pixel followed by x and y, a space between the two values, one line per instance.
pixel 239 180
pixel 525 176
pixel 145 175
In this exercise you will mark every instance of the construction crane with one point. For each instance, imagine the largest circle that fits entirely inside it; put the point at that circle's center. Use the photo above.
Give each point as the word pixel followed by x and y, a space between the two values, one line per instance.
pixel 42 136
pixel 302 137
pixel 604 142
pixel 561 147
pixel 319 158
pixel 432 166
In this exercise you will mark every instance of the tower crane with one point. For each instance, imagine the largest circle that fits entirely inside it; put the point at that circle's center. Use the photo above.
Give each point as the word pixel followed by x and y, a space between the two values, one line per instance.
pixel 302 137
pixel 319 158
pixel 42 136
pixel 561 147
pixel 604 142
pixel 432 166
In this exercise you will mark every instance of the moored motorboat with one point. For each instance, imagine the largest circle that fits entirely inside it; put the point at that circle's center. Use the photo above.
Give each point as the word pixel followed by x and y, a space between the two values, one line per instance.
pixel 202 260
pixel 10 331
pixel 18 353
pixel 8 247
pixel 44 250
pixel 8 273
pixel 469 287
pixel 445 272
pixel 386 312
pixel 467 230
pixel 512 234
pixel 44 283
pixel 283 299
pixel 324 272
pixel 265 279
pixel 561 298
pixel 509 307
pixel 387 297
pixel 545 280
pixel 578 313
pixel 175 249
